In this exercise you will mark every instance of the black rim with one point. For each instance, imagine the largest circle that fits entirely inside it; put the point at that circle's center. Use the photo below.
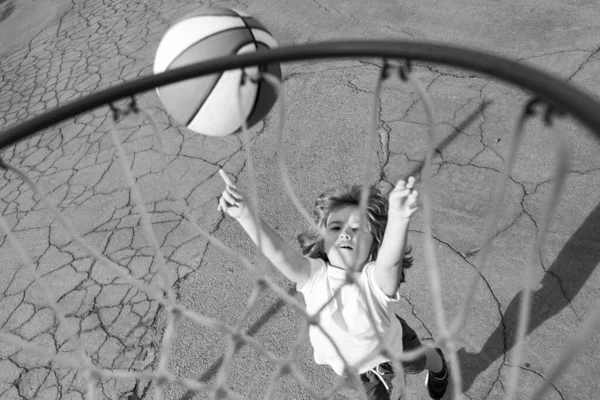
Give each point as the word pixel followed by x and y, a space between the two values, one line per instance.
pixel 563 96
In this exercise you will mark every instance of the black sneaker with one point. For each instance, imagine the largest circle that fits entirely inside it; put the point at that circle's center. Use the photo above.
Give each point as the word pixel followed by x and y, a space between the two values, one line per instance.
pixel 437 387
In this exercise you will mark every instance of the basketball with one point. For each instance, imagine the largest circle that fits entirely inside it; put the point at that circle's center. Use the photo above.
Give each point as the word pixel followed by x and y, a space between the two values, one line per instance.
pixel 210 104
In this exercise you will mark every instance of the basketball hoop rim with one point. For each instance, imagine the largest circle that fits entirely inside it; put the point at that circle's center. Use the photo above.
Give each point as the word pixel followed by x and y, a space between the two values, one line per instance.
pixel 561 95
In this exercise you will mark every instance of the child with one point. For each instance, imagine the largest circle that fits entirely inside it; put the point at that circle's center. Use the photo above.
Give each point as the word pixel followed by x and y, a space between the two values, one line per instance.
pixel 377 255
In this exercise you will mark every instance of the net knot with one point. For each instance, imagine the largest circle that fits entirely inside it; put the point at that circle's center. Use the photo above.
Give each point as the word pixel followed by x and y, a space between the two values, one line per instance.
pixel 385 69
pixel 530 107
pixel 444 342
pixel 350 279
pixel 161 380
pixel 551 113
pixel 132 108
pixel 350 371
pixel 94 375
pixel 236 337
pixel 285 369
pixel 220 393
pixel 176 311
pixel 261 282
pixel 385 353
pixel 549 110
pixel 314 320
pixel 404 70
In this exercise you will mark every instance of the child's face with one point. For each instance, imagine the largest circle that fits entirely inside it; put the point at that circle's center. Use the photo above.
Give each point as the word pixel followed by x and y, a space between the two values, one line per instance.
pixel 344 244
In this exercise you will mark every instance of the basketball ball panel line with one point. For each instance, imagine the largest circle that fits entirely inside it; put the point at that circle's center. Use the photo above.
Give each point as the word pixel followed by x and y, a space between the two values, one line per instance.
pixel 265 38
pixel 241 13
pixel 185 33
pixel 246 21
pixel 189 95
pixel 253 23
pixel 267 94
pixel 219 115
pixel 221 44
pixel 182 98
pixel 218 51
pixel 245 47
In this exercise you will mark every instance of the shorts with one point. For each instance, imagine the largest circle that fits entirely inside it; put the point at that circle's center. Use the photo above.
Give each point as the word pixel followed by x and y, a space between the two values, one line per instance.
pixel 374 387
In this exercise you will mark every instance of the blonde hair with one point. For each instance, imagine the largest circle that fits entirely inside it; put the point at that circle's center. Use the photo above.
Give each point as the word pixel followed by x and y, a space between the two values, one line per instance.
pixel 312 243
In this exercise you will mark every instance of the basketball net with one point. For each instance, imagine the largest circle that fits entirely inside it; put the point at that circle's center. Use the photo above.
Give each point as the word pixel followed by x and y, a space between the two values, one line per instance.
pixel 162 293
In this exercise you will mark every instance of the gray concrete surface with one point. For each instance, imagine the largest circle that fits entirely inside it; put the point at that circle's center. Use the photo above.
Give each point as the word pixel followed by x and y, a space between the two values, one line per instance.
pixel 55 51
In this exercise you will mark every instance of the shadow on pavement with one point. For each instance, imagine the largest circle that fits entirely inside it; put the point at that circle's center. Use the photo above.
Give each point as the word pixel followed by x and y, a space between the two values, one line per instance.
pixel 561 283
pixel 264 318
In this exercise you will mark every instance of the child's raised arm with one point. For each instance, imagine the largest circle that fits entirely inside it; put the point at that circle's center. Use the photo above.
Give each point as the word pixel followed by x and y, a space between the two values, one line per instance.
pixel 388 266
pixel 290 262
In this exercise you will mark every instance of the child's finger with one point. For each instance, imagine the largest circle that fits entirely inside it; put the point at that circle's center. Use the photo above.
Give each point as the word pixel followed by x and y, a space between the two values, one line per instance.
pixel 222 205
pixel 411 182
pixel 229 198
pixel 225 178
pixel 401 184
pixel 413 199
pixel 400 193
pixel 234 192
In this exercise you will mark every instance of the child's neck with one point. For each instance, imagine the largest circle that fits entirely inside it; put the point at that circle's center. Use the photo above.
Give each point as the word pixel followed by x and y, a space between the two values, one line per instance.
pixel 346 268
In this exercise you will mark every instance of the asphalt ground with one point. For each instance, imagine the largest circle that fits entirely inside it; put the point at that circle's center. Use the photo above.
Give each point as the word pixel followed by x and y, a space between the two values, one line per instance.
pixel 57 51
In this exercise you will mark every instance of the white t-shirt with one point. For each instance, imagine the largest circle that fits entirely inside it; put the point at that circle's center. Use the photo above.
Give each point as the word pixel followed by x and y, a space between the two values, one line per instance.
pixel 345 318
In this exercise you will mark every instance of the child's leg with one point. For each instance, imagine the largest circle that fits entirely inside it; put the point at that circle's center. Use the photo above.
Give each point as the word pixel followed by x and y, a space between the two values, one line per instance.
pixel 437 382
pixel 438 376
pixel 433 361
pixel 377 383
pixel 410 341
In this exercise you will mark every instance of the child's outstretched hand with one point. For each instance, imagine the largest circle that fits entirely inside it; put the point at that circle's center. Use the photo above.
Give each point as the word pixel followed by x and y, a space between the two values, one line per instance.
pixel 403 199
pixel 232 201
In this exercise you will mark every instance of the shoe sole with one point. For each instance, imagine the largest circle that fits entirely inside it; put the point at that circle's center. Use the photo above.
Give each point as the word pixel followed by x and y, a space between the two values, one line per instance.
pixel 448 394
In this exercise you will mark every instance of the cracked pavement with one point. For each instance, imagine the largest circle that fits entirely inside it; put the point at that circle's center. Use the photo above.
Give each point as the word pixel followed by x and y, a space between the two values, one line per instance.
pixel 56 51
